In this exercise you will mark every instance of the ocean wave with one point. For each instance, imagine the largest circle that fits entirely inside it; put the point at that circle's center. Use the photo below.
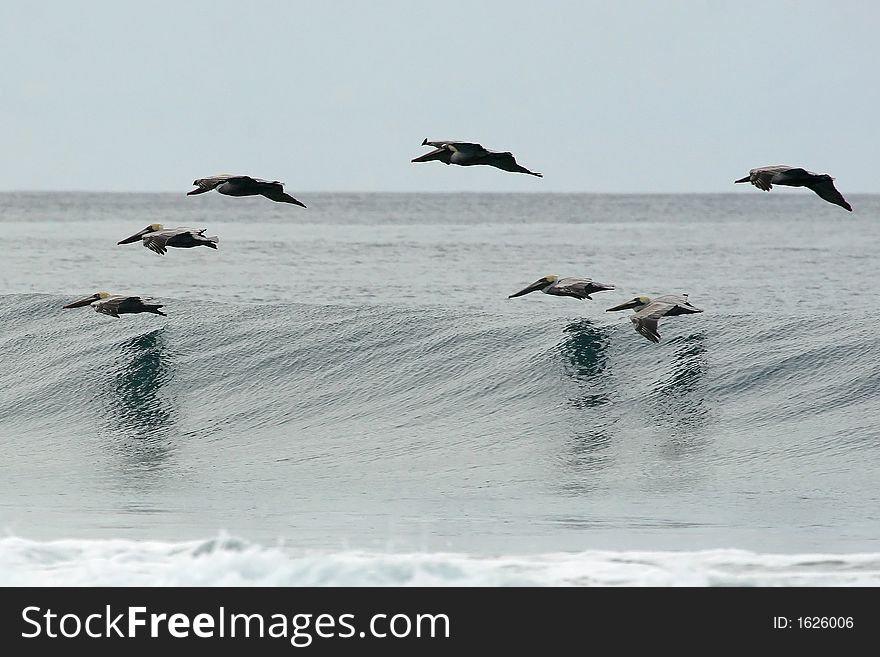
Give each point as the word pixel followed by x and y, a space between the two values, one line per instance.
pixel 374 369
pixel 228 561
pixel 392 423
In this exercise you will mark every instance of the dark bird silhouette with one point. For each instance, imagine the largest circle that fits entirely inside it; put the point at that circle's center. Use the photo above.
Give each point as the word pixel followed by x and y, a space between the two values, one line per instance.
pixel 579 288
pixel 823 184
pixel 158 239
pixel 116 304
pixel 244 186
pixel 467 154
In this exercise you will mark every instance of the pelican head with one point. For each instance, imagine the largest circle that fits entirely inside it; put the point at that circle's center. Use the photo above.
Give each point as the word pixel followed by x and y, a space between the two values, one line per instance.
pixel 540 284
pixel 152 228
pixel 637 303
pixel 85 301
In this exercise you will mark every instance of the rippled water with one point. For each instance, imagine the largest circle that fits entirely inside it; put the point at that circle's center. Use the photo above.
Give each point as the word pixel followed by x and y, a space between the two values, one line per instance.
pixel 352 376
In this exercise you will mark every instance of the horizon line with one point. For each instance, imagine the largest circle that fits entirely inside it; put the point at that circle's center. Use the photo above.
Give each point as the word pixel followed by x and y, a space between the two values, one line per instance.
pixel 372 191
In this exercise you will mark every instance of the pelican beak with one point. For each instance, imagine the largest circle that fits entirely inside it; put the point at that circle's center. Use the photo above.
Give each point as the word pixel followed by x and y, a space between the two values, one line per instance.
pixel 135 237
pixel 199 190
pixel 85 301
pixel 437 154
pixel 624 306
pixel 537 285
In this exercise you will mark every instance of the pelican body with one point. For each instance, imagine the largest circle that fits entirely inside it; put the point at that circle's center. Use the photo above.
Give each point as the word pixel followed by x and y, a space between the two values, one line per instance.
pixel 158 239
pixel 648 312
pixel 579 288
pixel 823 184
pixel 468 154
pixel 229 185
pixel 116 304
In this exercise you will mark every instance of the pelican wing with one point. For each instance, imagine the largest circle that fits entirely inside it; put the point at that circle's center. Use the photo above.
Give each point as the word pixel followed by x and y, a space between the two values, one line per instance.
pixel 656 309
pixel 468 148
pixel 213 181
pixel 762 177
pixel 646 326
pixel 112 305
pixel 275 191
pixel 260 181
pixel 157 242
pixel 198 234
pixel 119 304
pixel 507 162
pixel 581 288
pixel 670 300
pixel 825 189
pixel 648 318
pixel 249 181
pixel 572 283
pixel 675 304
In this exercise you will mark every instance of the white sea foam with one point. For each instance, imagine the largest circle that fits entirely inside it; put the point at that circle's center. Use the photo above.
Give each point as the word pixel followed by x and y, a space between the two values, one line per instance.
pixel 227 561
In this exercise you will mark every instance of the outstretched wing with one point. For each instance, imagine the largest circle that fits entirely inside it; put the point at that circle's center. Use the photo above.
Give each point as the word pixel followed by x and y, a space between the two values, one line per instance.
pixel 468 148
pixel 762 177
pixel 657 309
pixel 580 288
pixel 157 242
pixel 671 305
pixel 111 305
pixel 275 191
pixel 647 319
pixel 251 181
pixel 646 326
pixel 825 189
pixel 571 287
pixel 506 162
pixel 116 305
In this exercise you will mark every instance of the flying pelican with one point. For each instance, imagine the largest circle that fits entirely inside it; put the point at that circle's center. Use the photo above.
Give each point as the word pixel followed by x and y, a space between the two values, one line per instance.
pixel 823 184
pixel 579 288
pixel 648 312
pixel 156 238
pixel 468 154
pixel 244 186
pixel 117 304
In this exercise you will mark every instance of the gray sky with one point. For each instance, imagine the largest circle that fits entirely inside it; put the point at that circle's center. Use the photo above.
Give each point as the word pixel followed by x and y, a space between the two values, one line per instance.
pixel 620 96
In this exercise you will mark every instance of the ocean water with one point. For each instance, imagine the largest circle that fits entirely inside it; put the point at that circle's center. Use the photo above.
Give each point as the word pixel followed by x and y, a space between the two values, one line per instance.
pixel 345 395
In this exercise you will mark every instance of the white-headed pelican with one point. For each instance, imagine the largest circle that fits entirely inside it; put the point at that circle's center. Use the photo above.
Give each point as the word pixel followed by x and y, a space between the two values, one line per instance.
pixel 157 239
pixel 648 312
pixel 579 288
